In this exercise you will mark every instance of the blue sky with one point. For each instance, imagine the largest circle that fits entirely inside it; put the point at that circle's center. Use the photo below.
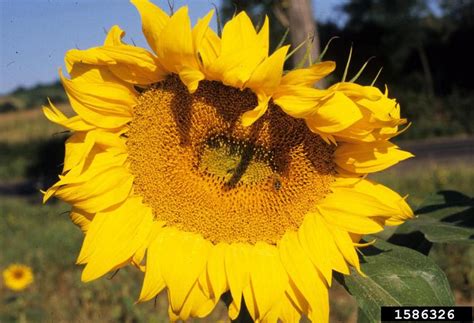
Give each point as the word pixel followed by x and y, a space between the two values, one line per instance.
pixel 35 34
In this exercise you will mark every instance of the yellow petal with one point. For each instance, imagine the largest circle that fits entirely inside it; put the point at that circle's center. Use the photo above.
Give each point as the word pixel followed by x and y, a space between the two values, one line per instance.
pixel 368 157
pixel 353 222
pixel 268 279
pixel 306 278
pixel 153 21
pixel 80 144
pixel 104 190
pixel 250 303
pixel 129 63
pixel 114 236
pixel 356 91
pixel 75 123
pixel 356 211
pixel 241 52
pixel 81 219
pixel 114 36
pixel 266 77
pixel 153 283
pixel 234 69
pixel 249 117
pixel 263 36
pixel 182 259
pixel 200 31
pixel 346 246
pixel 315 238
pixel 308 76
pixel 209 48
pixel 311 235
pixel 335 257
pixel 367 131
pixel 335 114
pixel 216 274
pixel 176 48
pixel 139 255
pixel 239 33
pixel 288 312
pixel 78 174
pixel 297 299
pixel 400 210
pixel 298 101
pixel 191 78
pixel 383 109
pixel 94 155
pixel 274 313
pixel 197 304
pixel 237 264
pixel 134 66
pixel 103 183
pixel 75 150
pixel 381 116
pixel 99 98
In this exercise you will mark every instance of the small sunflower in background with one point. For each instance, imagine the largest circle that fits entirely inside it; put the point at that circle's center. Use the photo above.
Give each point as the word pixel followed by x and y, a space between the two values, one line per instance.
pixel 210 169
pixel 17 277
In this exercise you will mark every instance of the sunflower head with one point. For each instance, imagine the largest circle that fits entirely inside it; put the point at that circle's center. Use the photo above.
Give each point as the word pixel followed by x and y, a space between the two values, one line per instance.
pixel 210 169
pixel 17 277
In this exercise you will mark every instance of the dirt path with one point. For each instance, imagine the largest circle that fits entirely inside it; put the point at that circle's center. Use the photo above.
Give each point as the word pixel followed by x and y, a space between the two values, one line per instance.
pixel 443 148
pixel 440 151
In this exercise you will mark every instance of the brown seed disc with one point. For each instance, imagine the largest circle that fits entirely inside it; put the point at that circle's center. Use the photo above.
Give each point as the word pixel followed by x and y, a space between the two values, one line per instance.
pixel 201 171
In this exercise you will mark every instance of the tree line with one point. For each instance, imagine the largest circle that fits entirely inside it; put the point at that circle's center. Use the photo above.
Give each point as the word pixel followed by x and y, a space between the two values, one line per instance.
pixel 421 46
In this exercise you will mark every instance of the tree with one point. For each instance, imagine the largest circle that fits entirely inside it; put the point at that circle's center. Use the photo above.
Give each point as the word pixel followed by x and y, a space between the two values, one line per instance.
pixel 402 27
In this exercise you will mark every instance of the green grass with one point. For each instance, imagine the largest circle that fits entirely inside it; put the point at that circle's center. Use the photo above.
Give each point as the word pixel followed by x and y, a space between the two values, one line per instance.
pixel 424 178
pixel 29 125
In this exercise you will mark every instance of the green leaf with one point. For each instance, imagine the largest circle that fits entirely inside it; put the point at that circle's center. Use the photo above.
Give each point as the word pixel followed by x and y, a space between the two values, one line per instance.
pixel 447 216
pixel 361 317
pixel 396 276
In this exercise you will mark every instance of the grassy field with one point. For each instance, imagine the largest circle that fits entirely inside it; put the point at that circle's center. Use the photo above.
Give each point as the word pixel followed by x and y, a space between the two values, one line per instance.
pixel 43 237
pixel 426 177
pixel 23 136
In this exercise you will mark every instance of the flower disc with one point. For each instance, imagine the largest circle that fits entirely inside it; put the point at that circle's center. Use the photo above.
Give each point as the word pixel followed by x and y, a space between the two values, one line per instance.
pixel 200 170
pixel 17 277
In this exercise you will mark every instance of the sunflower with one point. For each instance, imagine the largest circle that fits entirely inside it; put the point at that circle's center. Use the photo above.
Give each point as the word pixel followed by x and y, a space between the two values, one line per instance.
pixel 210 169
pixel 17 277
